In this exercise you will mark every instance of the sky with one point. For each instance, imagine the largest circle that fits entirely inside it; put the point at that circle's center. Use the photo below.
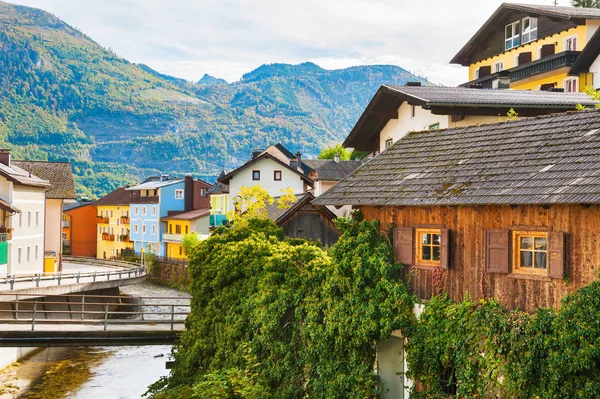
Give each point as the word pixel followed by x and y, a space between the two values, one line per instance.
pixel 227 38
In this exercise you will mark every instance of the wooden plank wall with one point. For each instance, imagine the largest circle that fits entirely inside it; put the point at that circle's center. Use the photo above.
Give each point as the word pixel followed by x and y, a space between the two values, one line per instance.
pixel 467 274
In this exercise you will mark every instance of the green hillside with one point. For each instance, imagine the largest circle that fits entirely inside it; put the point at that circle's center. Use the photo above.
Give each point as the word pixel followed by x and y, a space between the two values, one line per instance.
pixel 64 97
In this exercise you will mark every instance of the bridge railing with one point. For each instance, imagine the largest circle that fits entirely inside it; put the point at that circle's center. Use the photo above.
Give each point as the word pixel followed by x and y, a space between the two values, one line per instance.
pixel 102 310
pixel 100 262
pixel 59 277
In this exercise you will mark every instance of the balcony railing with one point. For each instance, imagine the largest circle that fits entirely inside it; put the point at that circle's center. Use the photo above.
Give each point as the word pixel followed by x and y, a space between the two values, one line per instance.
pixel 546 64
pixel 125 220
pixel 5 233
pixel 124 238
pixel 144 200
pixel 167 237
pixel 101 219
pixel 108 237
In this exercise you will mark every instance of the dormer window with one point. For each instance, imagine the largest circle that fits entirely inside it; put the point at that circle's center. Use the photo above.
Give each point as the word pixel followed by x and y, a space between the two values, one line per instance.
pixel 529 30
pixel 512 35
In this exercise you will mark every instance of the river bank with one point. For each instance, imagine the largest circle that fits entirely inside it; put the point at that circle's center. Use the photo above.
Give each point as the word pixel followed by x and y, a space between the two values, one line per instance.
pixel 86 373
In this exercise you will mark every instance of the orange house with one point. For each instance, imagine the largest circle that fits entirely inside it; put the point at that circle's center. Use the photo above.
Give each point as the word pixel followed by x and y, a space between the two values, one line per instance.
pixel 79 229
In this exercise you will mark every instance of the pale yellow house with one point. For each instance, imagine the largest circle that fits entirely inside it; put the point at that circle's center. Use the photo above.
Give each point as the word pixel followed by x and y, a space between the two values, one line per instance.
pixel 181 224
pixel 113 220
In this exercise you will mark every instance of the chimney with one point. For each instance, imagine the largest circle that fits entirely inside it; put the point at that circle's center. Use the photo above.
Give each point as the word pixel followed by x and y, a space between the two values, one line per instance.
pixel 413 84
pixel 299 160
pixel 336 158
pixel 5 156
pixel 502 80
pixel 188 193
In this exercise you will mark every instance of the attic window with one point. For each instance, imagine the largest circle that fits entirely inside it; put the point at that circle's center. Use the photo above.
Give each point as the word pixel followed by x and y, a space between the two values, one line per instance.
pixel 388 143
pixel 256 175
pixel 511 35
pixel 529 29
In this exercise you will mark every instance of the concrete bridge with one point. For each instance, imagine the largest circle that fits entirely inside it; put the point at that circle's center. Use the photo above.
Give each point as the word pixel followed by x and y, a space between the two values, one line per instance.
pixel 82 306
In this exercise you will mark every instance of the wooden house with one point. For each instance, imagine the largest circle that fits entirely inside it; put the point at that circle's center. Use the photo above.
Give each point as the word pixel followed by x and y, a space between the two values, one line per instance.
pixel 509 210
pixel 305 220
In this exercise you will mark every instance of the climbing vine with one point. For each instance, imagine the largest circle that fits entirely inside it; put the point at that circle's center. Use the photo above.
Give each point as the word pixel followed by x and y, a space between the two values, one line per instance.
pixel 286 317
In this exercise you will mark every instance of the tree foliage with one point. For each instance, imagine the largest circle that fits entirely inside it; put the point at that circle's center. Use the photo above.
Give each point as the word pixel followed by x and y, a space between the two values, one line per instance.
pixel 586 3
pixel 344 154
pixel 287 317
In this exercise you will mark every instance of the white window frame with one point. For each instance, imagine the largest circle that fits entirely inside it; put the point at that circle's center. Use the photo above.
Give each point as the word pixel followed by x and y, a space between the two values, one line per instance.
pixel 530 33
pixel 143 229
pixel 143 210
pixel 178 194
pixel 153 230
pixel 37 219
pixel 28 254
pixel 37 250
pixel 136 210
pixel 571 39
pixel 135 228
pixel 20 219
pixel 498 66
pixel 476 74
pixel 28 218
pixel 516 60
pixel 153 211
pixel 571 85
pixel 19 256
pixel 516 34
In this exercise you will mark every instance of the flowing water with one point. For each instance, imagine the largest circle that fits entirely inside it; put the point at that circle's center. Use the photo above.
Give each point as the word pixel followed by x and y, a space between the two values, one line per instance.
pixel 92 373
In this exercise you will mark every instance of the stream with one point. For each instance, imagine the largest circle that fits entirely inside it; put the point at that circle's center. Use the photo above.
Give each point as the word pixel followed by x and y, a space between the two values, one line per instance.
pixel 91 372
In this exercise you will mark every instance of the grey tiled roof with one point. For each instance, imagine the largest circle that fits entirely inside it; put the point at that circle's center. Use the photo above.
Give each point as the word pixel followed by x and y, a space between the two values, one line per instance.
pixel 59 175
pixel 544 160
pixel 331 170
pixel 557 11
pixel 462 96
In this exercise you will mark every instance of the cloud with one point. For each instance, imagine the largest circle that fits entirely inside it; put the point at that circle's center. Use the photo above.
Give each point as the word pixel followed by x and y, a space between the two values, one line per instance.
pixel 227 38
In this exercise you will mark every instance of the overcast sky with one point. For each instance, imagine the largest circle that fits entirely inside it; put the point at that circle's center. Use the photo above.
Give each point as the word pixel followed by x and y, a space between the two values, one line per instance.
pixel 227 38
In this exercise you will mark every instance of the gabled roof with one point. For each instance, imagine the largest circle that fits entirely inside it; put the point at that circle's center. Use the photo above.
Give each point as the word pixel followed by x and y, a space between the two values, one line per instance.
pixel 569 13
pixel 219 188
pixel 455 100
pixel 120 196
pixel 59 174
pixel 545 160
pixel 281 215
pixel 329 170
pixel 21 176
pixel 75 205
pixel 590 52
pixel 265 155
pixel 190 215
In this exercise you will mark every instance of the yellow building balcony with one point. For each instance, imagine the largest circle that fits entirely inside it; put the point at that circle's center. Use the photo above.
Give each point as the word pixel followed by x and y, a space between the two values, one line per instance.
pixel 178 238
pixel 102 219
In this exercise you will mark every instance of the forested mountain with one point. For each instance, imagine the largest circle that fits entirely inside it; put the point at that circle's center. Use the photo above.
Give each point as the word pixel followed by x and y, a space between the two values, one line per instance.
pixel 64 97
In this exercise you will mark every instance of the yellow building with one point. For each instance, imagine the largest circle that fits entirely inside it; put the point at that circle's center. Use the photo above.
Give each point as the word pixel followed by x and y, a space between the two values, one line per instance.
pixel 181 224
pixel 531 47
pixel 113 221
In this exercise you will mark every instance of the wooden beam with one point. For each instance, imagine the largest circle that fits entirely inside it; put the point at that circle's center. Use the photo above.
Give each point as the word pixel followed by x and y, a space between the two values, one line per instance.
pixel 386 114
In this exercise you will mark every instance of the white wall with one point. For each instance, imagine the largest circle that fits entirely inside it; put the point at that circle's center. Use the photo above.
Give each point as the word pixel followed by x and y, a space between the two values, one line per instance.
pixel 395 129
pixel 27 234
pixel 53 231
pixel 201 225
pixel 243 178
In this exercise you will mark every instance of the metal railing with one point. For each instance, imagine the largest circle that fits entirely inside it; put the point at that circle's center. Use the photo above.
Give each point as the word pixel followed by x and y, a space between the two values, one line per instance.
pixel 34 312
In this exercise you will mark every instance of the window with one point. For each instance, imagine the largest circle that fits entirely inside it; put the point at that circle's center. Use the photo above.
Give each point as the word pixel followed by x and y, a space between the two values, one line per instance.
pixel 37 219
pixel 256 175
pixel 153 210
pixel 28 219
pixel 388 143
pixel 429 246
pixel 153 229
pixel 64 236
pixel 118 222
pixel 434 126
pixel 177 229
pixel 277 175
pixel 531 252
pixel 143 210
pixel 571 43
pixel 511 35
pixel 36 252
pixel 111 213
pixel 529 33
pixel 135 210
pixel 498 66
pixel 571 85
pixel 143 228
pixel 19 255
pixel 28 254
pixel 187 229
pixel 20 219
pixel 413 111
pixel 180 251
pixel 135 228
pixel 178 194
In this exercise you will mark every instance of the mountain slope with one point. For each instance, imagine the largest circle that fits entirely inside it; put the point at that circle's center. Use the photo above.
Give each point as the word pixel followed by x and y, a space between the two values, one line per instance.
pixel 64 97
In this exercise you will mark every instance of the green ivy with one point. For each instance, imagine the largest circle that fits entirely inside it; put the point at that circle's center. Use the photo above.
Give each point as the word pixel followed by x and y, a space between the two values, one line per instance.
pixel 287 317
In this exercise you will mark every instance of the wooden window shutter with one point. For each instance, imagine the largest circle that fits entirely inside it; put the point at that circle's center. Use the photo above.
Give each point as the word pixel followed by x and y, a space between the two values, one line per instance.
pixel 497 251
pixel 556 252
pixel 547 50
pixel 485 71
pixel 444 248
pixel 524 58
pixel 403 245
